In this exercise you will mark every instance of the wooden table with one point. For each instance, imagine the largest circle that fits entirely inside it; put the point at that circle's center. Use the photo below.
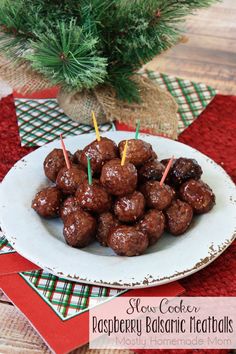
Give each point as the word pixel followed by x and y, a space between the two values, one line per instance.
pixel 208 56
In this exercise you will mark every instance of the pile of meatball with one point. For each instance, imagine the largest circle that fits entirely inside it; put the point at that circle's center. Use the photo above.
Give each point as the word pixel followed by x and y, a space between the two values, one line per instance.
pixel 125 207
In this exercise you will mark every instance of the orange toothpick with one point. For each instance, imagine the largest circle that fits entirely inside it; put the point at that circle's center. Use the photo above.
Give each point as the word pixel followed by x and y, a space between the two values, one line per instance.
pixel 124 153
pixel 65 153
pixel 166 171
pixel 96 126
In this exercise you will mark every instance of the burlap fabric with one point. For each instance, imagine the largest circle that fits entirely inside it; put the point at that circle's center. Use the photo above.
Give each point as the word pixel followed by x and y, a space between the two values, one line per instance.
pixel 157 110
pixel 21 77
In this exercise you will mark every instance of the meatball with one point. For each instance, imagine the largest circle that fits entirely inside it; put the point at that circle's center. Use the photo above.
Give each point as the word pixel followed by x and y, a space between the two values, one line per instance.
pixel 178 217
pixel 47 202
pixel 68 180
pixel 69 206
pixel 127 241
pixel 54 162
pixel 130 207
pixel 119 180
pixel 106 222
pixel 79 229
pixel 157 197
pixel 151 170
pixel 99 152
pixel 198 194
pixel 138 151
pixel 184 169
pixel 152 224
pixel 93 197
pixel 77 156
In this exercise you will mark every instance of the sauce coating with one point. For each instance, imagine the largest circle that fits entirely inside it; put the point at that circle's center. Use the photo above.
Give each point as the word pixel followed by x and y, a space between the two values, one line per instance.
pixel 130 208
pixel 54 162
pixel 199 195
pixel 119 180
pixel 127 241
pixel 47 202
pixel 178 217
pixel 153 224
pixel 79 229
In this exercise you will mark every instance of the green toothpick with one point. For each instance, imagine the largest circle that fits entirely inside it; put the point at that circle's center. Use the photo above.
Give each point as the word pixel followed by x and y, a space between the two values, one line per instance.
pixel 137 129
pixel 89 172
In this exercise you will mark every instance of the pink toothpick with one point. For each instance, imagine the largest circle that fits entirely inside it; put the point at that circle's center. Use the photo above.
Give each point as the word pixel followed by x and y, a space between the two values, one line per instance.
pixel 65 153
pixel 166 171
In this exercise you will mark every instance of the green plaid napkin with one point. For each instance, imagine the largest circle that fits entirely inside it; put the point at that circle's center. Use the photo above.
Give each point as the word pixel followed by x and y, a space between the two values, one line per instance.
pixel 5 246
pixel 41 120
pixel 66 298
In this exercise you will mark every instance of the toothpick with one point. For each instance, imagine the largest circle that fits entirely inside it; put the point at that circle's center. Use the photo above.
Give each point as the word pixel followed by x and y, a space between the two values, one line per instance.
pixel 124 153
pixel 96 127
pixel 65 153
pixel 137 129
pixel 166 171
pixel 89 171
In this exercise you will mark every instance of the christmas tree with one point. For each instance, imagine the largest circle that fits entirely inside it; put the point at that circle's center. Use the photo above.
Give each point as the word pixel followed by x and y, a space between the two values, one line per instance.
pixel 79 44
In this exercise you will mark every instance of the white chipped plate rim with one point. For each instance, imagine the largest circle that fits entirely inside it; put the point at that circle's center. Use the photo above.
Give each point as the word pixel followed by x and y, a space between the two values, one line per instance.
pixel 172 258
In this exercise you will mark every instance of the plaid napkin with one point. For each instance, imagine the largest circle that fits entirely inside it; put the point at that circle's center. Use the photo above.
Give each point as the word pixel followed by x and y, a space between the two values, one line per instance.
pixel 41 120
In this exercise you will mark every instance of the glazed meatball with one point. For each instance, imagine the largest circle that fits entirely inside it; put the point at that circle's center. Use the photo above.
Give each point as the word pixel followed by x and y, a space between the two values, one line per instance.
pixel 130 207
pixel 79 229
pixel 47 202
pixel 152 170
pixel 68 180
pixel 152 224
pixel 69 206
pixel 106 222
pixel 184 169
pixel 199 195
pixel 138 151
pixel 178 217
pixel 54 162
pixel 93 197
pixel 99 152
pixel 127 241
pixel 77 156
pixel 119 180
pixel 157 197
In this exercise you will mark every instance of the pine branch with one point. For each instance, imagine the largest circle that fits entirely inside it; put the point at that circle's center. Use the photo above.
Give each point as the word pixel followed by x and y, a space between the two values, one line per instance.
pixel 69 57
pixel 80 44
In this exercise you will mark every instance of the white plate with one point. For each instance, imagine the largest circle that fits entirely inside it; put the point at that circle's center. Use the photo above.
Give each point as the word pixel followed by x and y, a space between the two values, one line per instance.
pixel 41 241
